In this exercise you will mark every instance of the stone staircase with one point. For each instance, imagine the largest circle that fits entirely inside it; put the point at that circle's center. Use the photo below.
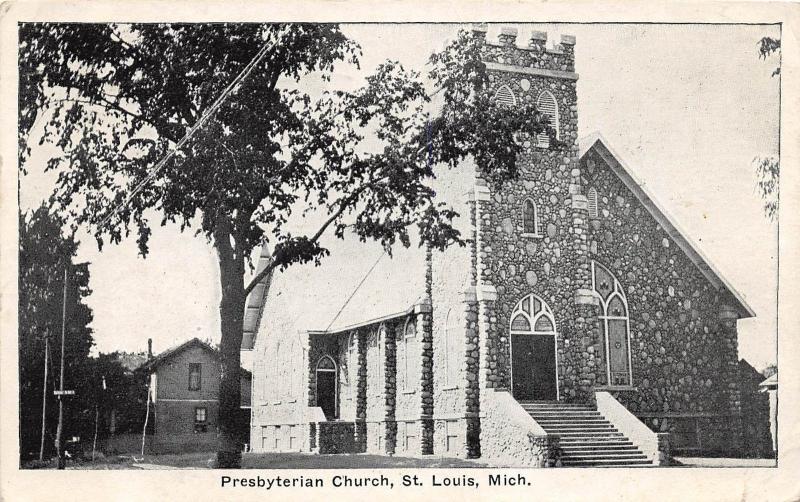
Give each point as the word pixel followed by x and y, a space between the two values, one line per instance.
pixel 588 439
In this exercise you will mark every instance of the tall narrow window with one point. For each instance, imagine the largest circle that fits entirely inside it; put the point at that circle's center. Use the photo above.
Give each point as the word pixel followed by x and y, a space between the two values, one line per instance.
pixel 453 353
pixel 410 361
pixel 615 325
pixel 194 376
pixel 547 105
pixel 505 97
pixel 530 225
pixel 381 354
pixel 292 367
pixel 277 388
pixel 592 197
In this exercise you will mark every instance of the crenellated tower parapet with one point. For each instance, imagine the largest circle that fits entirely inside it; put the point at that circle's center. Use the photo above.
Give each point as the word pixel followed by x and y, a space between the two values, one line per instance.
pixel 536 54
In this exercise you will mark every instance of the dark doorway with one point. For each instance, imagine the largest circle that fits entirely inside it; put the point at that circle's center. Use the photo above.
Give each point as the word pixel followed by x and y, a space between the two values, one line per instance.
pixel 326 387
pixel 533 367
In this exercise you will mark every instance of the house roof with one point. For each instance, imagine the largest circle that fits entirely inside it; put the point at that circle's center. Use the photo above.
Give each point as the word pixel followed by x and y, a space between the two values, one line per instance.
pixel 598 144
pixel 770 383
pixel 173 351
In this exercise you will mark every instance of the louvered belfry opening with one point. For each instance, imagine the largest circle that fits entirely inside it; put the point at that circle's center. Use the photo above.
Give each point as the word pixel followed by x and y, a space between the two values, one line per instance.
pixel 547 105
pixel 505 97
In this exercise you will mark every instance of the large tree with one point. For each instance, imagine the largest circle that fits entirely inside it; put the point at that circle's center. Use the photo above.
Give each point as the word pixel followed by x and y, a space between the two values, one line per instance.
pixel 117 98
pixel 44 254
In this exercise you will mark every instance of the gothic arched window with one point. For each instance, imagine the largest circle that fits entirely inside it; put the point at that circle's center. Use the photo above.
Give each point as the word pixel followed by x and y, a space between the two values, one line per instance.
pixel 505 96
pixel 530 222
pixel 614 323
pixel 548 106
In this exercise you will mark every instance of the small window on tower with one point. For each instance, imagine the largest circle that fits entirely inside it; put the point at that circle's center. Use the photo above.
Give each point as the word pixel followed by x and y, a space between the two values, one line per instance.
pixel 505 97
pixel 547 106
pixel 530 225
pixel 592 196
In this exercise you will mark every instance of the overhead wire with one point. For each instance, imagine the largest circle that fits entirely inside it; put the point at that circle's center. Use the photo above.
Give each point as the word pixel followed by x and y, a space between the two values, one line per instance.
pixel 231 88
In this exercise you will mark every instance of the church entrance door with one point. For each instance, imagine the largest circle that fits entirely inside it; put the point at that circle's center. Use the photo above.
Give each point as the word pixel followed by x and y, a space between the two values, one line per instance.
pixel 533 367
pixel 326 387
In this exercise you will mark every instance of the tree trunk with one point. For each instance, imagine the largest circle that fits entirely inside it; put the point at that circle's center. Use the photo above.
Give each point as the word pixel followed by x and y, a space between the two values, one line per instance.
pixel 229 450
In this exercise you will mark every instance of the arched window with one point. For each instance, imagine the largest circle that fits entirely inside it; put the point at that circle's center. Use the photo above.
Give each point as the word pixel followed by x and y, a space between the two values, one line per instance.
pixel 534 353
pixel 614 322
pixel 349 377
pixel 375 369
pixel 327 388
pixel 530 223
pixel 547 105
pixel 505 96
pixel 532 315
pixel 453 352
pixel 409 368
pixel 592 197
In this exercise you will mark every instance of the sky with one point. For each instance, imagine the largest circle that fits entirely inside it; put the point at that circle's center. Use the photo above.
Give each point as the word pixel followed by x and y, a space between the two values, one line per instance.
pixel 688 107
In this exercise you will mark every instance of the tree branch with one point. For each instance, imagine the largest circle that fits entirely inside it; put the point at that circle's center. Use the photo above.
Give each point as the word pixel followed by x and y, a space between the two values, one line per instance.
pixel 277 257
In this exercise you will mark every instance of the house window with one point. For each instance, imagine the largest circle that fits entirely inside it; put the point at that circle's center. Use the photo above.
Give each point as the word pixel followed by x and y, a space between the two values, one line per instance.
pixel 530 223
pixel 200 416
pixel 410 364
pixel 592 197
pixel 547 106
pixel 194 376
pixel 453 352
pixel 615 325
pixel 505 97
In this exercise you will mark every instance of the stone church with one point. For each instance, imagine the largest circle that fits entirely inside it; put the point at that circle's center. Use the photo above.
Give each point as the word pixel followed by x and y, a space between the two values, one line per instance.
pixel 578 326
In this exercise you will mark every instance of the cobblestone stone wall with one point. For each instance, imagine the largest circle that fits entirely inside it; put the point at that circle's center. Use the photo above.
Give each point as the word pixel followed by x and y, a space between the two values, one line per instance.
pixel 683 333
pixel 337 437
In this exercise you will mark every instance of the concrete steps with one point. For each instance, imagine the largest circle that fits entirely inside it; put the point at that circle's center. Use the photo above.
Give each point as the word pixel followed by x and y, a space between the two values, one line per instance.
pixel 588 439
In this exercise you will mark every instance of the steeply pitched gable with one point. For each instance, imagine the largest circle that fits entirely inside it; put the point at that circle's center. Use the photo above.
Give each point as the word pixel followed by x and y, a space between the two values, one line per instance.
pixel 597 144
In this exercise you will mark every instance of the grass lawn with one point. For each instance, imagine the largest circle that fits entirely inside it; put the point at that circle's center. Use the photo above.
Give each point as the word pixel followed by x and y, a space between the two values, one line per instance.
pixel 280 461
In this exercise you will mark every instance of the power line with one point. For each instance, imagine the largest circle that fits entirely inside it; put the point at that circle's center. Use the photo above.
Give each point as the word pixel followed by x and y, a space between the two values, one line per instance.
pixel 355 290
pixel 197 125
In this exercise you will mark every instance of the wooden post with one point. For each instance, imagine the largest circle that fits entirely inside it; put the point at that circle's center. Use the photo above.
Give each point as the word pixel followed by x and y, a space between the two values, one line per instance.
pixel 44 395
pixel 60 429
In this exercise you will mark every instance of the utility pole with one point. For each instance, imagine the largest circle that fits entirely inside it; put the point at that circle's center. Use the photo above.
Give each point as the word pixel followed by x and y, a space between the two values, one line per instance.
pixel 44 394
pixel 60 430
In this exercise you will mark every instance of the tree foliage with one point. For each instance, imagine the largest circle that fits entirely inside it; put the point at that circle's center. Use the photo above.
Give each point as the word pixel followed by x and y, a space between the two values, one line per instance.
pixel 767 46
pixel 44 253
pixel 768 168
pixel 768 184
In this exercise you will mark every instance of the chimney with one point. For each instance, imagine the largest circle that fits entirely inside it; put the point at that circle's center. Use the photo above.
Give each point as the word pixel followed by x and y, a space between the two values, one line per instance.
pixel 149 348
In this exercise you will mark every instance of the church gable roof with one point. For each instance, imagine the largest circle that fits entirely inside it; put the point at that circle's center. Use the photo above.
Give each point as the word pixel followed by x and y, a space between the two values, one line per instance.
pixel 256 301
pixel 599 145
pixel 358 284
